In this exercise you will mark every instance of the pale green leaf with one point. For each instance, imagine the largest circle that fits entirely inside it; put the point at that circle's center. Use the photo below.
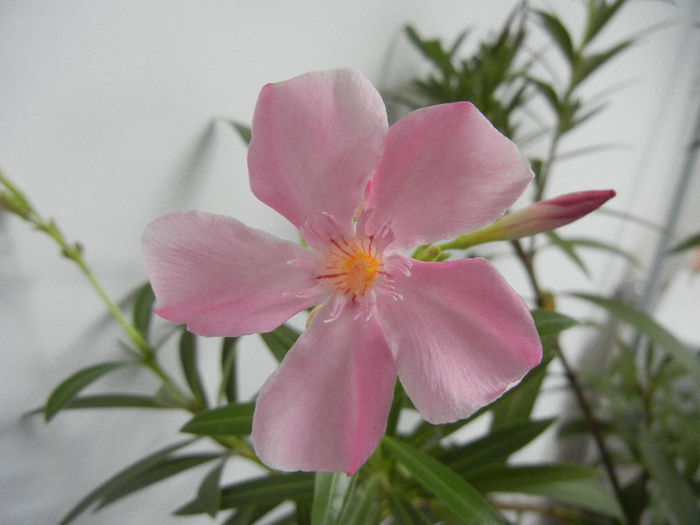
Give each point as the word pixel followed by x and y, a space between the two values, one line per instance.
pixel 228 420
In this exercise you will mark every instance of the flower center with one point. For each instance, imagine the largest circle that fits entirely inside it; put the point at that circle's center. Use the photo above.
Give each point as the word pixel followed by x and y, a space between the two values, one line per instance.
pixel 352 266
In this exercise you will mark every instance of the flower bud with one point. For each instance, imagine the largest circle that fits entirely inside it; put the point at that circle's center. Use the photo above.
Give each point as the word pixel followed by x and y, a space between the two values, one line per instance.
pixel 542 216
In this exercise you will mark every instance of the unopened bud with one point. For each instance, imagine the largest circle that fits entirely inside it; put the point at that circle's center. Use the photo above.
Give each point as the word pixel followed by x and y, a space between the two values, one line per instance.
pixel 542 216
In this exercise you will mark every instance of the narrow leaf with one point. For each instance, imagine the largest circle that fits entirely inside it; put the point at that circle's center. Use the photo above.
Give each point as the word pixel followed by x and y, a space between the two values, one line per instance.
pixel 404 512
pixel 157 472
pixel 243 131
pixel 143 309
pixel 599 245
pixel 362 507
pixel 330 491
pixel 209 493
pixel 559 34
pixel 549 322
pixel 457 495
pixel 686 244
pixel 188 360
pixel 230 419
pixel 64 393
pixel 496 447
pixel 269 489
pixel 591 63
pixel 280 340
pixel 133 470
pixel 114 401
pixel 572 484
pixel 675 490
pixel 568 250
pixel 649 327
pixel 228 388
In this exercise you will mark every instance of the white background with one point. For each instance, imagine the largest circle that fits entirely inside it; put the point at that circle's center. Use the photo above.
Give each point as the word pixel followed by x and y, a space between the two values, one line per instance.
pixel 110 117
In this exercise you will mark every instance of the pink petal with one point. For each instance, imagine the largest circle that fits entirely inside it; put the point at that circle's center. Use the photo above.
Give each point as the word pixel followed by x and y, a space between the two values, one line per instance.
pixel 446 171
pixel 325 409
pixel 460 336
pixel 223 278
pixel 316 141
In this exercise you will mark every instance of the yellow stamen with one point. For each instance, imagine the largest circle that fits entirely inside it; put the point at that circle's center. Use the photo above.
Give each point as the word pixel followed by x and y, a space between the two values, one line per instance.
pixel 352 267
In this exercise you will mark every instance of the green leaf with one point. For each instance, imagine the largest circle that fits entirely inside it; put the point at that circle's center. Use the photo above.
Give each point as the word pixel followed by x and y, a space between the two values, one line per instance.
pixel 599 245
pixel 548 92
pixel 243 131
pixel 269 489
pixel 362 507
pixel 589 64
pixel 64 393
pixel 235 418
pixel 143 309
pixel 114 401
pixel 568 250
pixel 159 471
pixel 599 14
pixel 674 489
pixel 572 484
pixel 457 495
pixel 330 492
pixel 649 327
pixel 496 447
pixel 124 476
pixel 559 34
pixel 209 493
pixel 403 512
pixel 188 360
pixel 549 322
pixel 228 388
pixel 686 244
pixel 280 340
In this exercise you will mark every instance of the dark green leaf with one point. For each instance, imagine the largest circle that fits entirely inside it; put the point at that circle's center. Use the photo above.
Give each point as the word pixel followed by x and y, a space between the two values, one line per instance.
pixel 674 489
pixel 188 360
pixel 330 492
pixel 114 401
pixel 689 242
pixel 64 393
pixel 649 327
pixel 599 14
pixel 496 447
pixel 547 91
pixel 143 309
pixel 403 512
pixel 549 322
pixel 220 421
pixel 209 493
pixel 280 340
pixel 269 489
pixel 572 484
pixel 591 63
pixel 243 131
pixel 559 34
pixel 568 250
pixel 124 476
pixel 457 495
pixel 228 387
pixel 159 471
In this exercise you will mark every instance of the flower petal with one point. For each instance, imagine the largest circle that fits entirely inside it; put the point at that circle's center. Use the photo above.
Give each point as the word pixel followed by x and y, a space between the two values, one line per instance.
pixel 317 139
pixel 223 278
pixel 460 336
pixel 446 171
pixel 326 407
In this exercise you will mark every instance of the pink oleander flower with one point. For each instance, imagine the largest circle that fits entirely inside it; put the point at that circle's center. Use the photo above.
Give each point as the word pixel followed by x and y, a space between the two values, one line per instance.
pixel 361 193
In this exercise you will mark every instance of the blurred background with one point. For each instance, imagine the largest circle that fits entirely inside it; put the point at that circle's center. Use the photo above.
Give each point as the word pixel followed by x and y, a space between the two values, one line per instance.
pixel 113 113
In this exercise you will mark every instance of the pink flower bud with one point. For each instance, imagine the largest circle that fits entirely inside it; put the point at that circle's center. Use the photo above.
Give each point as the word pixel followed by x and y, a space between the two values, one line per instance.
pixel 544 216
